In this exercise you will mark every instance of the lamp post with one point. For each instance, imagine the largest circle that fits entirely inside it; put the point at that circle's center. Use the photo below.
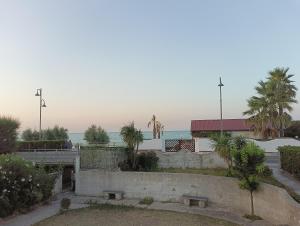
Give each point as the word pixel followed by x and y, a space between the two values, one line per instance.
pixel 221 107
pixel 39 93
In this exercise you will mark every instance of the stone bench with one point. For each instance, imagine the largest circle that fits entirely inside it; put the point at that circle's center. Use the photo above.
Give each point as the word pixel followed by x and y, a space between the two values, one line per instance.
pixel 190 200
pixel 117 195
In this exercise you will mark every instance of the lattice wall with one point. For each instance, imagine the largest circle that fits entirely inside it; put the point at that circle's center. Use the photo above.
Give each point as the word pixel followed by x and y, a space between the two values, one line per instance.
pixel 178 144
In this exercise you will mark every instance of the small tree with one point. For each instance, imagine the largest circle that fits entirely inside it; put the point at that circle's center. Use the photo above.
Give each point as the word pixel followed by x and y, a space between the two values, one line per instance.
pixel 132 137
pixel 96 135
pixel 249 164
pixel 222 145
pixel 56 133
pixel 30 135
pixel 239 142
pixel 8 134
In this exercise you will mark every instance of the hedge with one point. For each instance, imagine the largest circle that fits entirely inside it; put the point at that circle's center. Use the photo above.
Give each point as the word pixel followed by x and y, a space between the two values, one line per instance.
pixel 290 159
pixel 102 147
pixel 42 144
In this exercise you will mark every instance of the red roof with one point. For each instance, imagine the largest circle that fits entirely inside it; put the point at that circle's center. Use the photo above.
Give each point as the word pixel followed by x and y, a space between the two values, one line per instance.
pixel 215 125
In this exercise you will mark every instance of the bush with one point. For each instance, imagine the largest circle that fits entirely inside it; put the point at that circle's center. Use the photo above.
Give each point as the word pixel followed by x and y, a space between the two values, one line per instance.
pixel 147 161
pixel 8 134
pixel 65 203
pixel 147 201
pixel 21 184
pixel 5 207
pixel 125 165
pixel 290 159
pixel 266 172
pixel 55 133
pixel 293 130
pixel 96 135
pixel 42 144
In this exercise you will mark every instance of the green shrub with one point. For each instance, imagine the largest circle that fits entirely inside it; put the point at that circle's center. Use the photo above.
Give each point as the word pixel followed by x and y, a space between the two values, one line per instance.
pixel 293 130
pixel 290 159
pixel 55 133
pixel 147 161
pixel 8 134
pixel 147 201
pixel 96 135
pixel 21 184
pixel 42 144
pixel 5 207
pixel 65 203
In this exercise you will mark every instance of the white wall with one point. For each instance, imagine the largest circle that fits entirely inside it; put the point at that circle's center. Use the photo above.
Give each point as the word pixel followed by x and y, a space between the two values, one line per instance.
pixel 205 144
pixel 155 144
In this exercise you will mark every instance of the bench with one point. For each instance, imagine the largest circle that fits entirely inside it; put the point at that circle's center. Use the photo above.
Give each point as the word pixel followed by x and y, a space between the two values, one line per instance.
pixel 117 195
pixel 190 200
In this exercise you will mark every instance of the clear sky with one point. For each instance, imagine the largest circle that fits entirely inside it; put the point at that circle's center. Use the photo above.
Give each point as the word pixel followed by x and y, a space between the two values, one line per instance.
pixel 113 61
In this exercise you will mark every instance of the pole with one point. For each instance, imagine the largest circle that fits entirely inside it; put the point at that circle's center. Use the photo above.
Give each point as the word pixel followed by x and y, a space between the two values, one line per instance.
pixel 40 134
pixel 221 107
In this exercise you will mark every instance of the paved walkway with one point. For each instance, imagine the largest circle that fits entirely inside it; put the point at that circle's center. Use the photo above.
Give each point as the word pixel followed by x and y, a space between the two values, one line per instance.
pixel 285 178
pixel 81 202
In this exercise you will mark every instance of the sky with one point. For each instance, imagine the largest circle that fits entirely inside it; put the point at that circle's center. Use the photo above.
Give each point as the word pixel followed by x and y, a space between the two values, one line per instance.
pixel 109 62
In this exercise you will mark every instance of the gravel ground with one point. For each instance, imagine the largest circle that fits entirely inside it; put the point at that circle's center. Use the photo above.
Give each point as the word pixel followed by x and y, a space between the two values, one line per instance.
pixel 129 217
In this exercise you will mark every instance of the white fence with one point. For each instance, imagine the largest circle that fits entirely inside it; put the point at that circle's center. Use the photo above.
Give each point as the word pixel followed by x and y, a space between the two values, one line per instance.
pixel 205 144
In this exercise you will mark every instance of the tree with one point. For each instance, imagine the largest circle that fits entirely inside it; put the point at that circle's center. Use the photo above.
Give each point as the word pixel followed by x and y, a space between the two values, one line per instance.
pixel 153 122
pixel 55 133
pixel 159 129
pixel 262 111
pixel 283 94
pixel 222 145
pixel 268 111
pixel 293 130
pixel 132 137
pixel 8 134
pixel 30 135
pixel 96 135
pixel 248 163
pixel 239 142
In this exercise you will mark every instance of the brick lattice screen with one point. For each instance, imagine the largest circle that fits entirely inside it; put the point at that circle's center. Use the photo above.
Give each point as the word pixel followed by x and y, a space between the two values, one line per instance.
pixel 177 145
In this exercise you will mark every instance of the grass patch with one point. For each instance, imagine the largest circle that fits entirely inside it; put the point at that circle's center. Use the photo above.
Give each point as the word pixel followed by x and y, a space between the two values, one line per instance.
pixel 147 201
pixel 253 217
pixel 106 214
pixel 214 172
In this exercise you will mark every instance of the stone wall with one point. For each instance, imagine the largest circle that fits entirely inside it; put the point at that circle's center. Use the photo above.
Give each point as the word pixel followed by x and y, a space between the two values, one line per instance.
pixel 50 157
pixel 187 159
pixel 271 203
pixel 102 159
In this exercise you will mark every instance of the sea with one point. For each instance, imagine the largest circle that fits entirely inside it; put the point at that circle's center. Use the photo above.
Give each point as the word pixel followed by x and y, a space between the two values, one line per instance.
pixel 116 139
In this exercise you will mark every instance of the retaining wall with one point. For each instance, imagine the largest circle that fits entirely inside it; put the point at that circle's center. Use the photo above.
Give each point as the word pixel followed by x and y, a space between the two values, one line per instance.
pixel 271 203
pixel 187 159
pixel 101 159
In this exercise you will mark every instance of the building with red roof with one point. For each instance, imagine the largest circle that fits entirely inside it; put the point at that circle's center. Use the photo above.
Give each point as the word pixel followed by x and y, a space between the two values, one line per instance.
pixel 236 127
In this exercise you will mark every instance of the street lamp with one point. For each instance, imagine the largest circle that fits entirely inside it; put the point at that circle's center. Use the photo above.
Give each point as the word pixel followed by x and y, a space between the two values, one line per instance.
pixel 42 105
pixel 221 108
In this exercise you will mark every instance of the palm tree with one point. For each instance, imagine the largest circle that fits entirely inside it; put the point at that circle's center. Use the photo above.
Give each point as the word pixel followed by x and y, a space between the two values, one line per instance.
pixel 222 145
pixel 153 122
pixel 132 137
pixel 262 110
pixel 159 129
pixel 283 95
